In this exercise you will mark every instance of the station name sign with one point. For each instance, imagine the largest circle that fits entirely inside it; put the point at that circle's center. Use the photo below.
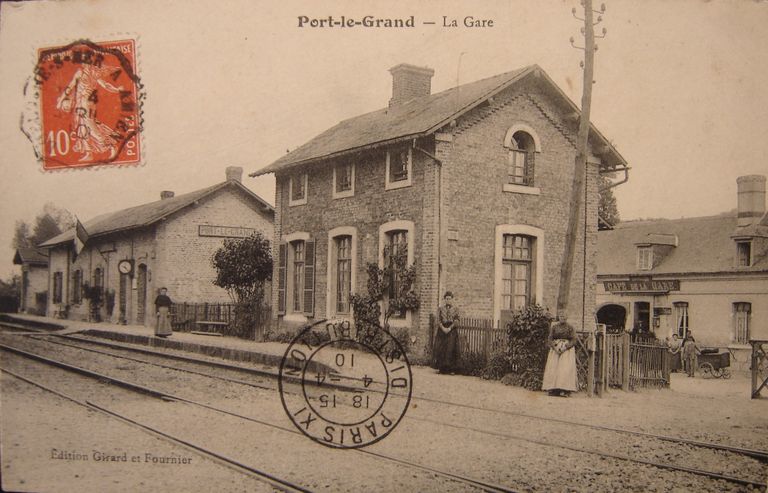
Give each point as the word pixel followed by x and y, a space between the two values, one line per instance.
pixel 644 286
pixel 224 231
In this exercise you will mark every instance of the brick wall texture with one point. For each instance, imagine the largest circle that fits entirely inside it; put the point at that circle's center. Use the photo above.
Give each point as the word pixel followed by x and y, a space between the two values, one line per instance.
pixel 461 194
pixel 168 254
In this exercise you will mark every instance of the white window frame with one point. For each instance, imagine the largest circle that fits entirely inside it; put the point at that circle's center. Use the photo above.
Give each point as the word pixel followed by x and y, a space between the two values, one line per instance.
pixel 304 176
pixel 384 230
pixel 393 185
pixel 538 274
pixel 641 251
pixel 330 285
pixel 344 193
pixel 290 314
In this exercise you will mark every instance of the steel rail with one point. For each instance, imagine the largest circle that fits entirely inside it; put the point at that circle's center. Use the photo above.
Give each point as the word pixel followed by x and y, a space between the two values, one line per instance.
pixel 272 480
pixel 761 455
pixel 490 487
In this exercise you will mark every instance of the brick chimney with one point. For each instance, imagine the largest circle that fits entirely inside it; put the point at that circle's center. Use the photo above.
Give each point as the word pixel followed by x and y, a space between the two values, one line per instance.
pixel 235 173
pixel 409 82
pixel 751 199
pixel 166 194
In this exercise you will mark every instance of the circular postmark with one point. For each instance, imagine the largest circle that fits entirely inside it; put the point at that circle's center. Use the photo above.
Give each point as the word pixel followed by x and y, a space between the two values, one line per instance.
pixel 88 103
pixel 343 391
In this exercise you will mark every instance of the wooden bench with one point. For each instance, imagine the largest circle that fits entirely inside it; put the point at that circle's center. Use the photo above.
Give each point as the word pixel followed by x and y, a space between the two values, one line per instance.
pixel 210 327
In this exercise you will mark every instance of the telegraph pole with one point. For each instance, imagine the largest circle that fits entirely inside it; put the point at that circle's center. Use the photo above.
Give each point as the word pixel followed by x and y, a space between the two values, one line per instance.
pixel 578 189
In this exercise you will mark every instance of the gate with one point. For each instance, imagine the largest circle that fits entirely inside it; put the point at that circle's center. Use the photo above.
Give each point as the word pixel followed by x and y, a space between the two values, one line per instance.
pixel 643 362
pixel 759 366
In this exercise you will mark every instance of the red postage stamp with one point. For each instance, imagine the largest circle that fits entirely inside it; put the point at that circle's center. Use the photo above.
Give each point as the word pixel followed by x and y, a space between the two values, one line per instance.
pixel 89 104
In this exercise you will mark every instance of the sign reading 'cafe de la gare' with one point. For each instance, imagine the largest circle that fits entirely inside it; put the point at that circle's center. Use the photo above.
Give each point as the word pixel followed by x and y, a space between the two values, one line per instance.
pixel 642 286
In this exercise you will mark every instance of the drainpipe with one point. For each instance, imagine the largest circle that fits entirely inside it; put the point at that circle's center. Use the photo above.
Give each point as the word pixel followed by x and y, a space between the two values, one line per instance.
pixel 623 180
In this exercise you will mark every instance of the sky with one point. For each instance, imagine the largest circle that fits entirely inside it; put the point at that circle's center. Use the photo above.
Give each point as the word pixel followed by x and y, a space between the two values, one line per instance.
pixel 679 89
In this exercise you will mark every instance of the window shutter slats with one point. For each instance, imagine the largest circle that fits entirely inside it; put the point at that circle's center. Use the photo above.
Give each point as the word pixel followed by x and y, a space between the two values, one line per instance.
pixel 530 164
pixel 309 278
pixel 281 280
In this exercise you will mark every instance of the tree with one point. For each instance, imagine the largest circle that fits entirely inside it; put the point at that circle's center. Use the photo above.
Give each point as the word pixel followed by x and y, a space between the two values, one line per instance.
pixel 49 223
pixel 243 266
pixel 607 207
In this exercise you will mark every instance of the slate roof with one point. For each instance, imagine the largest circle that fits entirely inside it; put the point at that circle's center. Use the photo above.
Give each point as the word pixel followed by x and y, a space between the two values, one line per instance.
pixel 30 256
pixel 705 245
pixel 418 117
pixel 147 214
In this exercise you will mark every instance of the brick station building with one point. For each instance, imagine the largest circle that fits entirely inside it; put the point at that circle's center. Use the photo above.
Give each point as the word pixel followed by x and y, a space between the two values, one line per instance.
pixel 474 182
pixel 167 243
pixel 34 279
pixel 707 275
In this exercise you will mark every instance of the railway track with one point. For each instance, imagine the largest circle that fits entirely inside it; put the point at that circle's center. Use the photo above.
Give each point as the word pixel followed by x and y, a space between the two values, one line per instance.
pixel 761 455
pixel 462 479
pixel 274 481
pixel 757 454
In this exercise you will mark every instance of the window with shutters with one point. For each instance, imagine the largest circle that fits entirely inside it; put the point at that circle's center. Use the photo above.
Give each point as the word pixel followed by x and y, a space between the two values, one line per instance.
pixel 742 312
pixel 344 180
pixel 517 269
pixel 522 144
pixel 58 281
pixel 98 278
pixel 399 168
pixel 296 276
pixel 681 317
pixel 77 287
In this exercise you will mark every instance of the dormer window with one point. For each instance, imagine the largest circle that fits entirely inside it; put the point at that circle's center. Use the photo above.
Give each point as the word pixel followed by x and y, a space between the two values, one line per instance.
pixel 399 168
pixel 644 258
pixel 743 253
pixel 297 189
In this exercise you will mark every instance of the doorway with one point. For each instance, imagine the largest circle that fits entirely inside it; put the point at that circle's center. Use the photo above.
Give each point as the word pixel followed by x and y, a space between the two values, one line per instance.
pixel 141 294
pixel 614 317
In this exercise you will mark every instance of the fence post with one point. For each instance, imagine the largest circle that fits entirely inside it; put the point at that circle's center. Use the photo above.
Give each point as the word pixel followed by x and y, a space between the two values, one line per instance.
pixel 625 362
pixel 591 364
pixel 487 341
pixel 431 334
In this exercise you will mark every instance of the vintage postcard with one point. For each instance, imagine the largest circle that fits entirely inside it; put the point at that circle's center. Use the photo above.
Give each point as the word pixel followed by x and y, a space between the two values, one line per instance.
pixel 340 246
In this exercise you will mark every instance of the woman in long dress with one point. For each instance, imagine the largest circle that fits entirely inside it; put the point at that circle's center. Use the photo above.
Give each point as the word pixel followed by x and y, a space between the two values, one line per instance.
pixel 162 307
pixel 447 337
pixel 560 372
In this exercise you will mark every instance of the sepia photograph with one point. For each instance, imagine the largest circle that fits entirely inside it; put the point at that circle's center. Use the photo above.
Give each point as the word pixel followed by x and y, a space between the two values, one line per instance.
pixel 337 246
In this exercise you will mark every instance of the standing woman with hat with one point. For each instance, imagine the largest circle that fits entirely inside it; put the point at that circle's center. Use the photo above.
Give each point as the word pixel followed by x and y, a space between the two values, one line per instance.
pixel 162 307
pixel 447 338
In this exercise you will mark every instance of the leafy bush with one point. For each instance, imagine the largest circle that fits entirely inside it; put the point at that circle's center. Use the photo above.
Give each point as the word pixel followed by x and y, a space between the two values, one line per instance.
pixel 497 366
pixel 527 346
pixel 471 363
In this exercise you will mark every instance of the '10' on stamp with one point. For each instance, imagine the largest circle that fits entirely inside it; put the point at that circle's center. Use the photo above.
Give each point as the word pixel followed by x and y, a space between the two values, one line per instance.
pixel 89 104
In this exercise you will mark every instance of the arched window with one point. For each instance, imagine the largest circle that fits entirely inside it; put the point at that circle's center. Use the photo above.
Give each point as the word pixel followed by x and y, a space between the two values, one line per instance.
pixel 396 242
pixel 522 144
pixel 519 272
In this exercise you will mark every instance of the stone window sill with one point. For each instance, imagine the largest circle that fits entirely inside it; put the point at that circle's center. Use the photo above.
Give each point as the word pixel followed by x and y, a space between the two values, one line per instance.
pixel 512 188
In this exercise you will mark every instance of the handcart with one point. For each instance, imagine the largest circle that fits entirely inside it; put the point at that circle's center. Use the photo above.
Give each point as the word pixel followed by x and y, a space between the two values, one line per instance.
pixel 714 363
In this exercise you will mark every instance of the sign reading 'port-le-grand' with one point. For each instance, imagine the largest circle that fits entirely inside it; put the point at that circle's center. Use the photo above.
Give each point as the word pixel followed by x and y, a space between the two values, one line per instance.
pixel 642 286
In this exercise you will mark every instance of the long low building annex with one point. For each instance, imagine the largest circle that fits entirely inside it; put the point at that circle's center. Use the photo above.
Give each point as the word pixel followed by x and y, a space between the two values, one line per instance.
pixel 131 253
pixel 703 275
